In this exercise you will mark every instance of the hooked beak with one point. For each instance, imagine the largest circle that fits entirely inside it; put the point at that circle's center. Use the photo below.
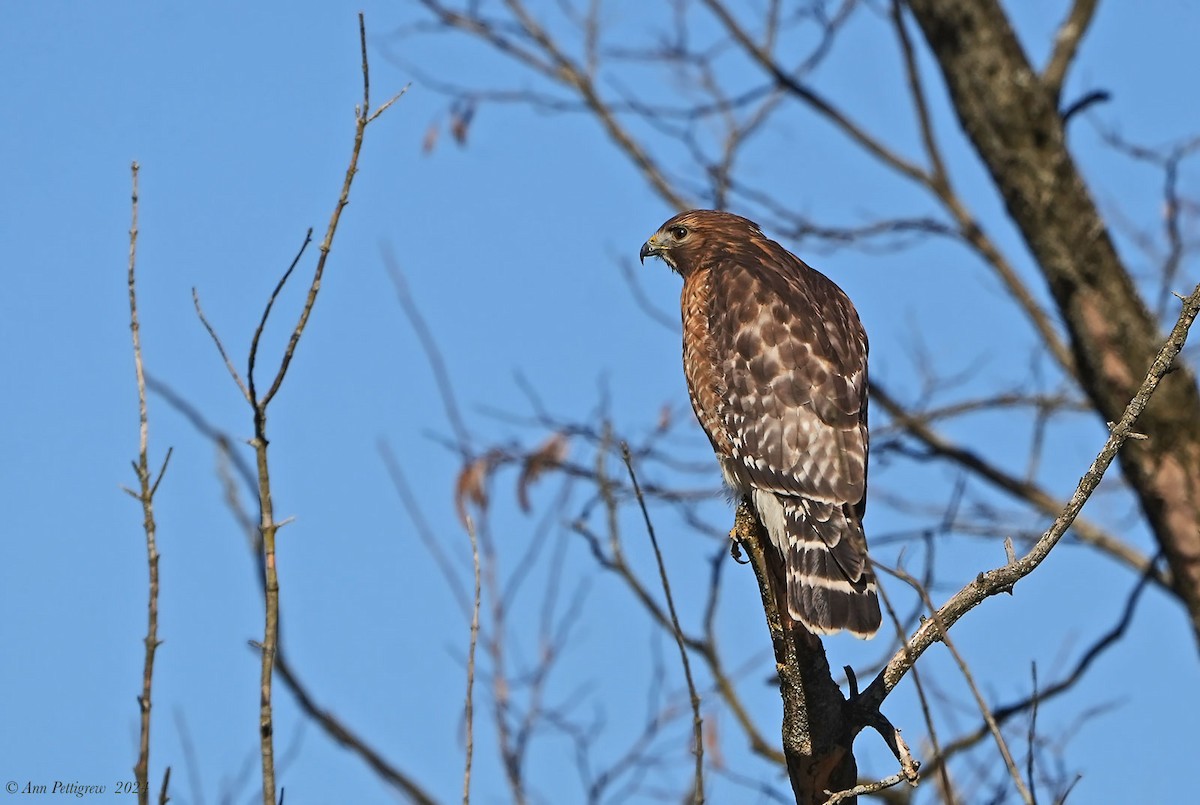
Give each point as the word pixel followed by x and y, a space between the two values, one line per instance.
pixel 650 248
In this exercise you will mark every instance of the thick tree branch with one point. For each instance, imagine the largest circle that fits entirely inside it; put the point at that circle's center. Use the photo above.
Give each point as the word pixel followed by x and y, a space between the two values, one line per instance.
pixel 818 735
pixel 1014 125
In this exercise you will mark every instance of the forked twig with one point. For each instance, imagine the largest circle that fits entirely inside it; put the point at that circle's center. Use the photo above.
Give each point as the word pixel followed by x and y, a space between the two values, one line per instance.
pixel 268 525
pixel 262 322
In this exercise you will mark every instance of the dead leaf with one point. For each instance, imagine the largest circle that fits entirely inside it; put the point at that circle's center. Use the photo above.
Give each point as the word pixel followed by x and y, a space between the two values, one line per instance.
pixel 712 742
pixel 550 454
pixel 429 141
pixel 461 115
pixel 472 487
pixel 665 417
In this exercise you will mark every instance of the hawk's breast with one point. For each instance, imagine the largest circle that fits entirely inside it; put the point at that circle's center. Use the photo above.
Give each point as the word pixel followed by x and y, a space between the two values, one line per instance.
pixel 700 364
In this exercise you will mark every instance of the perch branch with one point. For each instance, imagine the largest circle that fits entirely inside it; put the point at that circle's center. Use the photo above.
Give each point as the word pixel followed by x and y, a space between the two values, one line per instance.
pixel 1003 578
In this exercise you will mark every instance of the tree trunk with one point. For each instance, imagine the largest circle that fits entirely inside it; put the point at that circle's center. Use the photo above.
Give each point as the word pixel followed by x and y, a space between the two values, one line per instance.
pixel 1011 117
pixel 818 735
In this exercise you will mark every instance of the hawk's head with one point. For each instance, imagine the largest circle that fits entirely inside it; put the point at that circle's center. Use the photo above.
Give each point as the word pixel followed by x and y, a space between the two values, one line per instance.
pixel 692 237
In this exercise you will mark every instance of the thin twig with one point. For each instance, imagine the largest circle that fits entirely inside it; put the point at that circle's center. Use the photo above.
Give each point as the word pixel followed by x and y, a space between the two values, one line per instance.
pixel 697 722
pixel 190 763
pixel 426 534
pixel 948 797
pixel 938 176
pixel 470 704
pixel 163 799
pixel 615 562
pixel 937 181
pixel 866 788
pixel 1031 735
pixel 141 769
pixel 216 339
pixel 1066 44
pixel 366 72
pixel 262 322
pixel 433 354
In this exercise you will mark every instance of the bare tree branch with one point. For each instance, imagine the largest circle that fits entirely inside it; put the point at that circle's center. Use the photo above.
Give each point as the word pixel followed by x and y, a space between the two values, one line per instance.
pixel 556 66
pixel 363 118
pixel 145 495
pixel 1066 43
pixel 989 719
pixel 268 525
pixel 469 709
pixel 815 101
pixel 1003 578
pixel 429 345
pixel 1017 131
pixel 216 339
pixel 1006 712
pixel 915 425
pixel 970 230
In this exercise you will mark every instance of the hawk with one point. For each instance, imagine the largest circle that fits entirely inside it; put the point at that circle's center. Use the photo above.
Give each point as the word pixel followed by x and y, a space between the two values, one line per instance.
pixel 776 364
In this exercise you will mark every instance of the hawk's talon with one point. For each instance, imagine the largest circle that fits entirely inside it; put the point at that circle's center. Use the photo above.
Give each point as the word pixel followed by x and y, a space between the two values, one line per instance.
pixel 735 548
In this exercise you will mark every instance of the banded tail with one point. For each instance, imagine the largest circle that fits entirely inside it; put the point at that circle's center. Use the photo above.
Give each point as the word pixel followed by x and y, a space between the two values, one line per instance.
pixel 830 584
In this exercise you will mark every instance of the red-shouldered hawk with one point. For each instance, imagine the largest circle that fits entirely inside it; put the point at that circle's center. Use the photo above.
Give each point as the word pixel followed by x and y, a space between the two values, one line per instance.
pixel 776 364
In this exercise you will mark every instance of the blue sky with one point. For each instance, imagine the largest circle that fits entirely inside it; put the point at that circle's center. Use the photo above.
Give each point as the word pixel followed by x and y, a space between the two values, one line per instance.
pixel 242 118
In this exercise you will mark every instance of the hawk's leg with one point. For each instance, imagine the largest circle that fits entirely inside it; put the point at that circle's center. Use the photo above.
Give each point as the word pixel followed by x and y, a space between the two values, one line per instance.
pixel 735 534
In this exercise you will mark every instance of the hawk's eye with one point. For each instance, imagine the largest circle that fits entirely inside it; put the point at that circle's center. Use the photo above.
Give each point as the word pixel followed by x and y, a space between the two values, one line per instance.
pixel 679 232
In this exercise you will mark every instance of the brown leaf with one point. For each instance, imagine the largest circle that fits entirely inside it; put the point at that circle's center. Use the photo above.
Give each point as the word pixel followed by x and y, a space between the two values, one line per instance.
pixel 665 417
pixel 429 141
pixel 712 742
pixel 461 116
pixel 550 454
pixel 472 487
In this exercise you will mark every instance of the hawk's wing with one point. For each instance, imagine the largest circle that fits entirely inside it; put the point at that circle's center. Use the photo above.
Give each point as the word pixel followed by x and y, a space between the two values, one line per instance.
pixel 793 372
pixel 794 365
